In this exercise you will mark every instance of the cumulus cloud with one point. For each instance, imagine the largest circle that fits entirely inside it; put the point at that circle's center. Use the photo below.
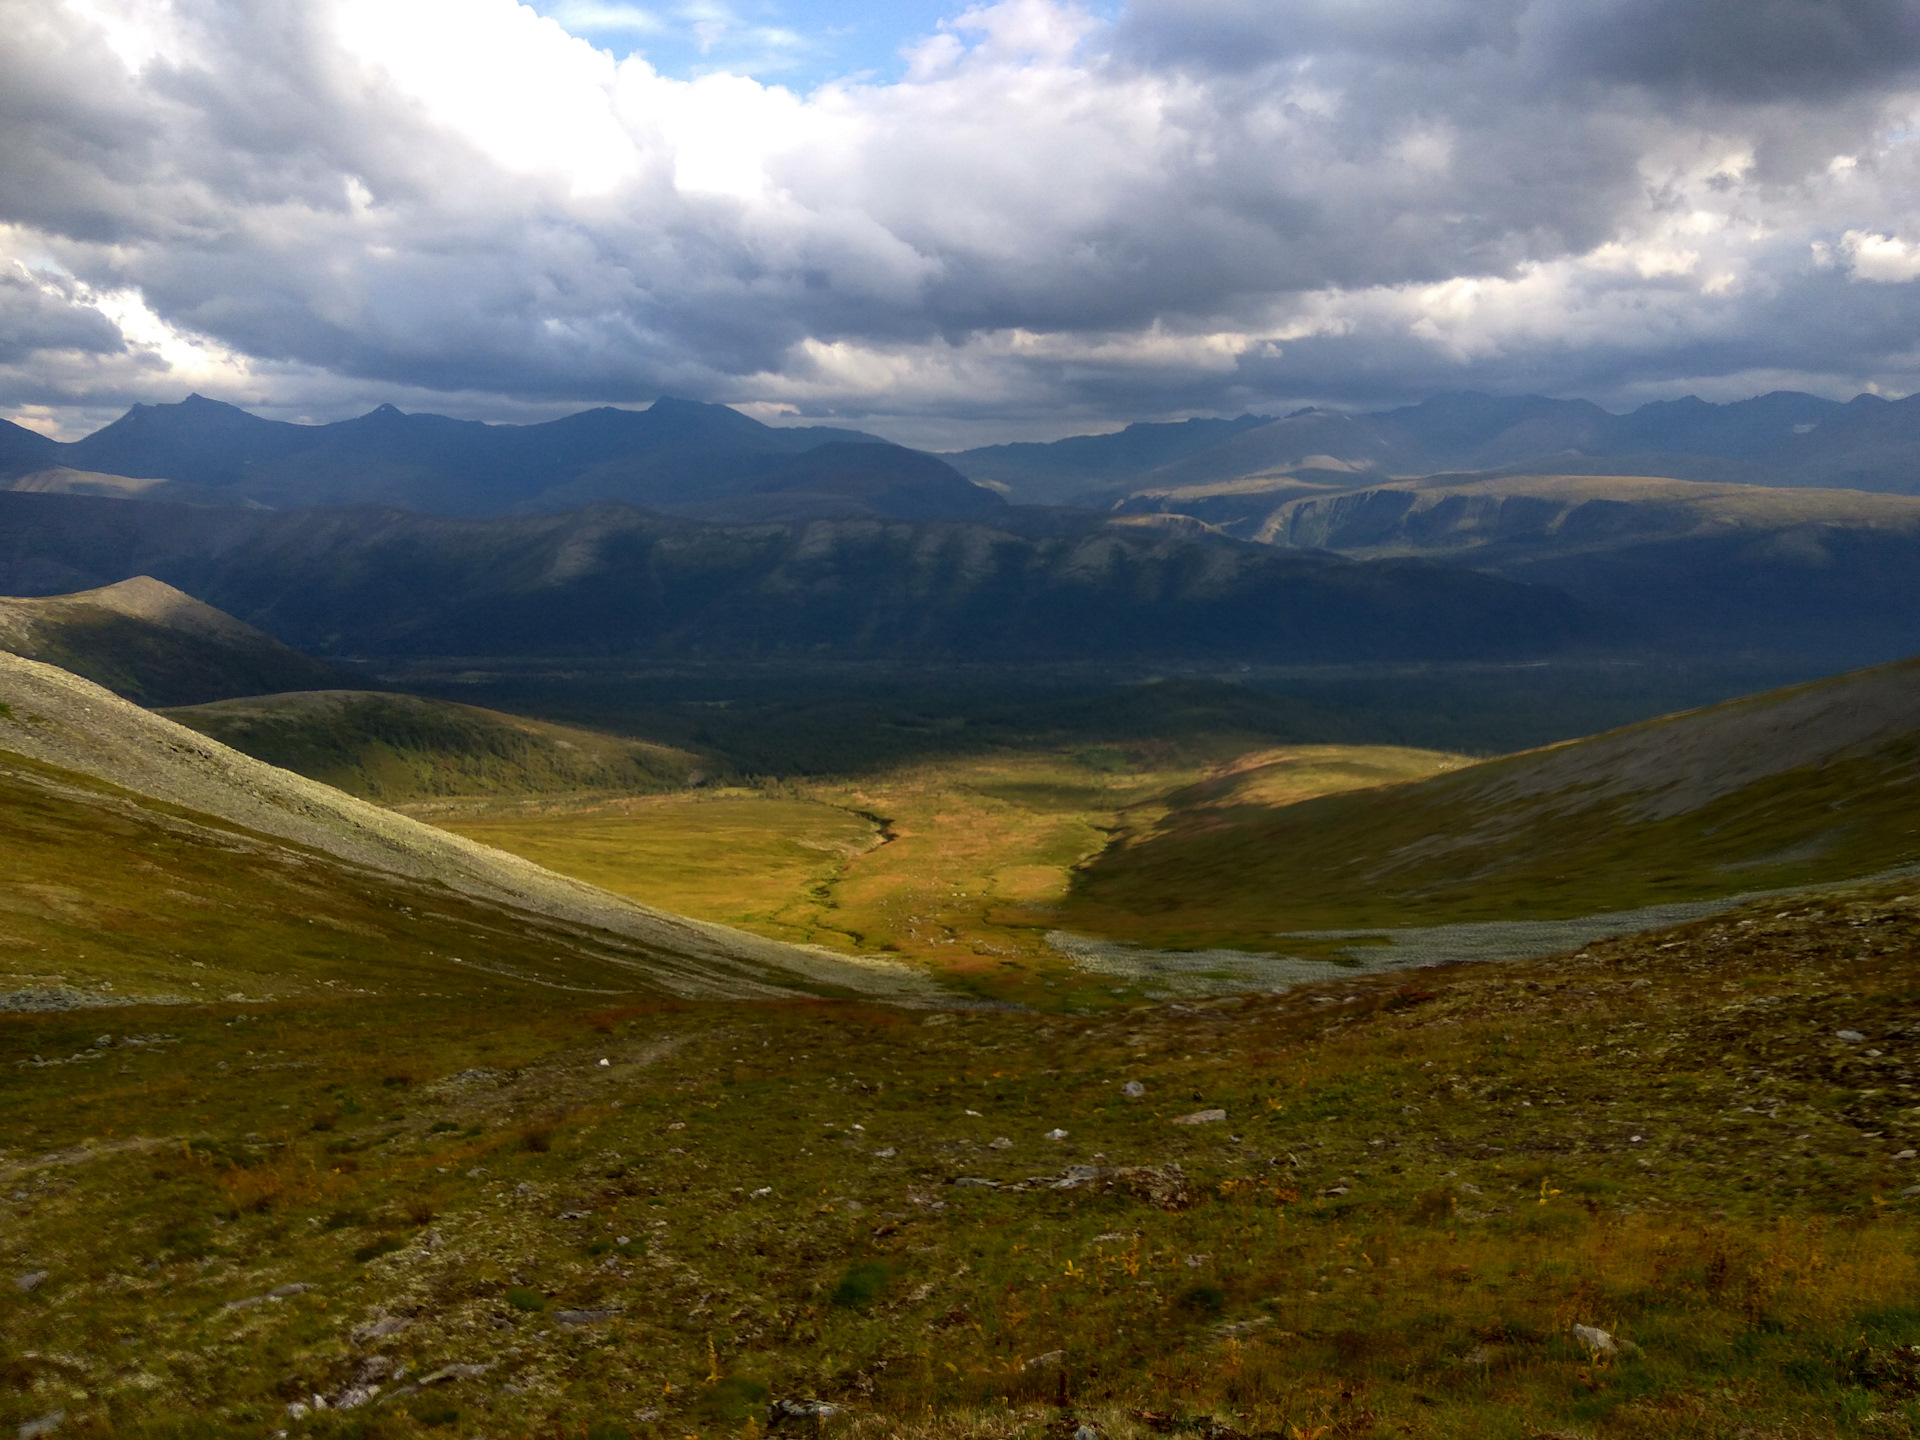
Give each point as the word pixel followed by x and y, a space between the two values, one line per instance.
pixel 1050 220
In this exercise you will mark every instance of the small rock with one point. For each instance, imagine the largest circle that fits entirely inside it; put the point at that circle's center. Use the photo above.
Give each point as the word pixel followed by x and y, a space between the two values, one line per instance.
pixel 246 1304
pixel 751 1195
pixel 354 1396
pixel 1479 1355
pixel 974 1182
pixel 284 1292
pixel 1133 1089
pixel 299 1410
pixel 31 1281
pixel 1910 1192
pixel 1598 1342
pixel 1197 1262
pixel 1852 1037
pixel 378 1329
pixel 886 1154
pixel 1237 1328
pixel 1056 1134
pixel 1051 1360
pixel 782 1410
pixel 454 1372
pixel 1200 1117
pixel 585 1317
pixel 605 1062
pixel 1908 1155
pixel 1000 1142
pixel 45 1425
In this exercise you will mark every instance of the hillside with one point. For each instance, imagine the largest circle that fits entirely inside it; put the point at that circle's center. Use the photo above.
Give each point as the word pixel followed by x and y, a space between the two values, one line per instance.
pixel 148 642
pixel 65 724
pixel 1692 564
pixel 1490 519
pixel 611 580
pixel 1798 787
pixel 395 749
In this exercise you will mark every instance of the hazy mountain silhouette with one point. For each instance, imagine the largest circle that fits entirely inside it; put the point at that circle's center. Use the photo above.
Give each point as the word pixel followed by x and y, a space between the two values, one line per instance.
pixel 1785 438
pixel 674 455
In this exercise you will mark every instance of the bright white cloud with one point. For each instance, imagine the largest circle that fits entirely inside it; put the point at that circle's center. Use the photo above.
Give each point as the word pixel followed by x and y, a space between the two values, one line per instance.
pixel 1209 205
pixel 1885 258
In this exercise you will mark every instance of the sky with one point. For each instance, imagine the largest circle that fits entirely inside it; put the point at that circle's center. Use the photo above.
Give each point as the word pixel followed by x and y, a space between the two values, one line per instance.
pixel 951 225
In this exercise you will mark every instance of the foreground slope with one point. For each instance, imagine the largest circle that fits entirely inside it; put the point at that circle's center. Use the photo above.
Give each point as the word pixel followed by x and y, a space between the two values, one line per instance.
pixel 443 1215
pixel 62 721
pixel 1816 783
pixel 397 749
pixel 149 642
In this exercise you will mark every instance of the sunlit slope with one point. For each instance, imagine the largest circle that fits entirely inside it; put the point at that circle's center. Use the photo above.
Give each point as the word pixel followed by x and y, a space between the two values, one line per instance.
pixel 1816 783
pixel 152 643
pixel 397 749
pixel 62 721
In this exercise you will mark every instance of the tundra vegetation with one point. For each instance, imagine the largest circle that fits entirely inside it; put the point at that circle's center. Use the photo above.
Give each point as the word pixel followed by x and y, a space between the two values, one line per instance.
pixel 367 1159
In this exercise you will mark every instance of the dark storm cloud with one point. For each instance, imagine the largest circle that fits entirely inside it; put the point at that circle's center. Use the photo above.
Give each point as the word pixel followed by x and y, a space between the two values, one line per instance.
pixel 1207 204
pixel 1750 50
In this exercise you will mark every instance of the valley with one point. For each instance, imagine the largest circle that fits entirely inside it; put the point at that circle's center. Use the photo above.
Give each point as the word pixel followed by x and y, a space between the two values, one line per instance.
pixel 797 964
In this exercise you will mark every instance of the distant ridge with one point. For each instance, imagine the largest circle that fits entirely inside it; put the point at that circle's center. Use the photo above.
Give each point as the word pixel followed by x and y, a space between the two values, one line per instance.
pixel 1783 438
pixel 613 580
pixel 678 456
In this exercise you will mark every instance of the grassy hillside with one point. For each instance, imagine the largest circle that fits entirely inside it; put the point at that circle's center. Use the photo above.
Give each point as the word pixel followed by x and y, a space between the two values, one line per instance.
pixel 1812 784
pixel 152 644
pixel 59 720
pixel 396 749
pixel 446 1208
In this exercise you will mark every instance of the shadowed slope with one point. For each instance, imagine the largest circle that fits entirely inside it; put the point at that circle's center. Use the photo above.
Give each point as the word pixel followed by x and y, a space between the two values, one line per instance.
pixel 146 641
pixel 394 749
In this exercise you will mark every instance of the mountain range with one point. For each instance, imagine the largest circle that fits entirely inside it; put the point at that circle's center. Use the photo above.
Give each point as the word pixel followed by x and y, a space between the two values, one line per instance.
pixel 677 456
pixel 1783 438
pixel 691 529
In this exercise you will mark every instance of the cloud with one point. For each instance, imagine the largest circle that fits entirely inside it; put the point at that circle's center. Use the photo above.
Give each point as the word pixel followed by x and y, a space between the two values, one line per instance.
pixel 1053 220
pixel 1881 257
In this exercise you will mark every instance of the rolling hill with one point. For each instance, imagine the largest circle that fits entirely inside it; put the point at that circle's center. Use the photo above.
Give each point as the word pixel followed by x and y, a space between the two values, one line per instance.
pixel 89 774
pixel 396 749
pixel 148 642
pixel 612 580
pixel 1813 784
